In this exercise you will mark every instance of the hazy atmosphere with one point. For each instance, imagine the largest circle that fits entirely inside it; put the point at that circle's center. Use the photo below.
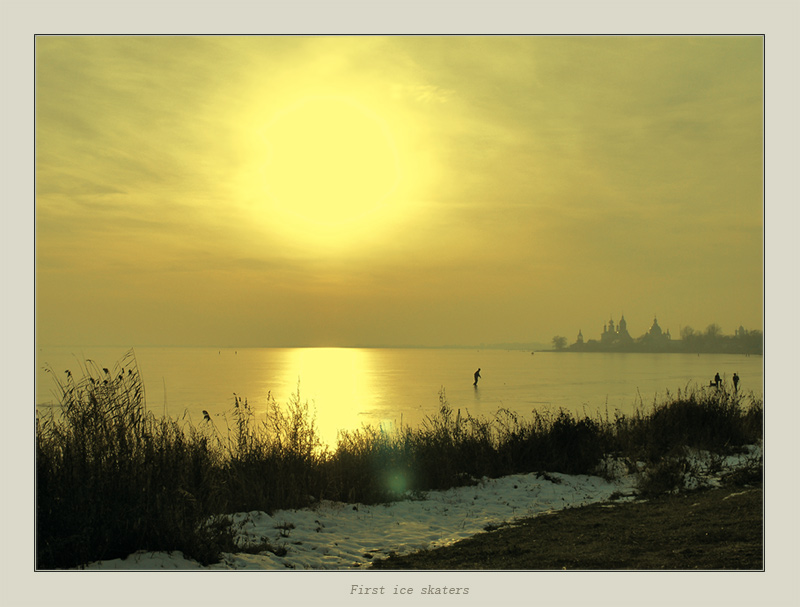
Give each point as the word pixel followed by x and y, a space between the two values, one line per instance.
pixel 293 191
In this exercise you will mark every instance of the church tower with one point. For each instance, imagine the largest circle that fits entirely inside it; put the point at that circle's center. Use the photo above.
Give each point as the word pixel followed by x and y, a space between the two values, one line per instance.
pixel 655 330
pixel 622 331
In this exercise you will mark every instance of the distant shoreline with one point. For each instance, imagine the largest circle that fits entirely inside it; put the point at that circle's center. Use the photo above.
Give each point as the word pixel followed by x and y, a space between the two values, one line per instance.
pixel 588 351
pixel 538 348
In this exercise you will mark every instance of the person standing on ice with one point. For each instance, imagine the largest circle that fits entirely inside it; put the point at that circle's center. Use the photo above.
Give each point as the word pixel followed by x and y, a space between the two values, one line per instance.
pixel 736 382
pixel 477 376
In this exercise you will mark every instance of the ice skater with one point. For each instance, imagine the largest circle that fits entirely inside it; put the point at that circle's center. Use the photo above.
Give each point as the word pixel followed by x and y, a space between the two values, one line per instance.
pixel 477 376
pixel 735 382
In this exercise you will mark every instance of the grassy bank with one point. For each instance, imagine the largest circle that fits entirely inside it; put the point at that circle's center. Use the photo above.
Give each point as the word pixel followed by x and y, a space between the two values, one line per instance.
pixel 113 478
pixel 711 529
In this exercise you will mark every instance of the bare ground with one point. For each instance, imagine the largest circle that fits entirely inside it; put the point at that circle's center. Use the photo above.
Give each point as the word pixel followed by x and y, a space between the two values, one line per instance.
pixel 711 529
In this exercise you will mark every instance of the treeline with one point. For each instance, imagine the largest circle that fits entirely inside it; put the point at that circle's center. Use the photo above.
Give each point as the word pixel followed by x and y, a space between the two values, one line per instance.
pixel 712 340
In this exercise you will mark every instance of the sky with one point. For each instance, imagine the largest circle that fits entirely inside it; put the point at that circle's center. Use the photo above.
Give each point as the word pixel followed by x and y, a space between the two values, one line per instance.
pixel 395 191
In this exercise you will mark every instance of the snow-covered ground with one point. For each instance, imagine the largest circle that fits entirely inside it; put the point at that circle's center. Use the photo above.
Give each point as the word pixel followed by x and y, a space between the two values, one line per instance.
pixel 334 535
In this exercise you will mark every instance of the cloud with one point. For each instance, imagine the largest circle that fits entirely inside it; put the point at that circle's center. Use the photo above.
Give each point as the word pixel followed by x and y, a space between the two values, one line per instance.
pixel 533 165
pixel 424 93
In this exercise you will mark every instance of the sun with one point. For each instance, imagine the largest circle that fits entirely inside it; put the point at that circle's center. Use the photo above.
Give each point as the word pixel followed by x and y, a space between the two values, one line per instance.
pixel 329 161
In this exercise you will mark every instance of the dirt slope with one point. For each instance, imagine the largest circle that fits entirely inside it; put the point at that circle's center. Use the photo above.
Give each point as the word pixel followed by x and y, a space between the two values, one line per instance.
pixel 708 530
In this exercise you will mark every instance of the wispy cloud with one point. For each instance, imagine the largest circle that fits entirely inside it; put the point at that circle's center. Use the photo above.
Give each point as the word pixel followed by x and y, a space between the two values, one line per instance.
pixel 535 170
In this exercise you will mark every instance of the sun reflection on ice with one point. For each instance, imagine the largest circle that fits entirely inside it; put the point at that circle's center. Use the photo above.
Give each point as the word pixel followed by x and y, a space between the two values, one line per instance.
pixel 336 383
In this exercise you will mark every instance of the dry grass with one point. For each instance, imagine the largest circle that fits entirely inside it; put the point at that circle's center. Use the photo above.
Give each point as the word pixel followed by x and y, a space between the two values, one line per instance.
pixel 113 478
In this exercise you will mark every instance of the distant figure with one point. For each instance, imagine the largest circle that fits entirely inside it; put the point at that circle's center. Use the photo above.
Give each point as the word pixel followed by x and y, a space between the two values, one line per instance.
pixel 717 380
pixel 736 382
pixel 206 416
pixel 477 377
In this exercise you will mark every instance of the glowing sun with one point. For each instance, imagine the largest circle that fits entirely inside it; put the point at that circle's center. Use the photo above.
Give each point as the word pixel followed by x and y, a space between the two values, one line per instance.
pixel 329 161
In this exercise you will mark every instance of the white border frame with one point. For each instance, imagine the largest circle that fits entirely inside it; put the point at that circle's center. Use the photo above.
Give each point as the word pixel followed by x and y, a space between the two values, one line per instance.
pixel 776 19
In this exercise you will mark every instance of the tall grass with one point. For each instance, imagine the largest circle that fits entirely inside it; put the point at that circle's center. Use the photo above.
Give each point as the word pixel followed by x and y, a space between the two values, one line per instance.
pixel 113 478
pixel 710 419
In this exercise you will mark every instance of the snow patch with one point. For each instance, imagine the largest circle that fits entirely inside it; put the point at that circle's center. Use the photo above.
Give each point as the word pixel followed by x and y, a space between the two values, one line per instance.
pixel 335 535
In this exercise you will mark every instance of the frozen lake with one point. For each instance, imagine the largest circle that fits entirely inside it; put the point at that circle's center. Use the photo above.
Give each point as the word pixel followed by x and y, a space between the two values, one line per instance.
pixel 349 387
